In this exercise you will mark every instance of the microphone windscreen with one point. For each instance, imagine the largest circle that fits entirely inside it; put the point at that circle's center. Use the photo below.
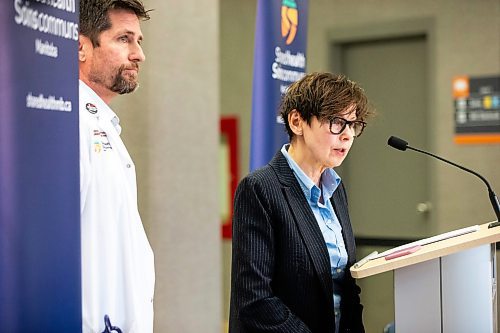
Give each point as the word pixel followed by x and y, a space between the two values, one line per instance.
pixel 397 143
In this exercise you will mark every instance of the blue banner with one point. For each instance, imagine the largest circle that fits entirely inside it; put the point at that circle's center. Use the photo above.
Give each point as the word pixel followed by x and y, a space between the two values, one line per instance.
pixel 279 60
pixel 40 288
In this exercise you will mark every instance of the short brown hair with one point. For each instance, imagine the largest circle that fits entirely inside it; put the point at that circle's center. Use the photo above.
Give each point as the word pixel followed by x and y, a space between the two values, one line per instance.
pixel 324 96
pixel 94 17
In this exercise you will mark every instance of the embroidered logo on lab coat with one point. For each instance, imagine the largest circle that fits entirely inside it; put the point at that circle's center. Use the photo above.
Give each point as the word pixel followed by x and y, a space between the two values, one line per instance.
pixel 91 108
pixel 100 141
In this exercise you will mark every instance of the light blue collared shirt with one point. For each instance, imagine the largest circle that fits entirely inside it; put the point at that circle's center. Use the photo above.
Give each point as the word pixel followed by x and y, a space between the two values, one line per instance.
pixel 325 216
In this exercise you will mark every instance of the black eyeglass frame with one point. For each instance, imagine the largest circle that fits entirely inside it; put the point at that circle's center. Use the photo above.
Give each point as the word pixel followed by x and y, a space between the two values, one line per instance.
pixel 346 123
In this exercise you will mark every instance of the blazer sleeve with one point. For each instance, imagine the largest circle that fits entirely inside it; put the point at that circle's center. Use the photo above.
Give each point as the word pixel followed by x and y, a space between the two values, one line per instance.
pixel 254 307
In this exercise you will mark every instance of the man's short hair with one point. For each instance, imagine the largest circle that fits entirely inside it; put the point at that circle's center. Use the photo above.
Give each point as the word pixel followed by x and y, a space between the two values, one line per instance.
pixel 94 17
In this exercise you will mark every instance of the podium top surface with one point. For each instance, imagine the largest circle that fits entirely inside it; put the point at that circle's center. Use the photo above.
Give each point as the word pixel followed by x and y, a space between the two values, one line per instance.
pixel 430 251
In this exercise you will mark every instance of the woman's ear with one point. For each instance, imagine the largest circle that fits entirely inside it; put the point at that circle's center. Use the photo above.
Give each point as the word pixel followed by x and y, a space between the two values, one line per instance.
pixel 295 122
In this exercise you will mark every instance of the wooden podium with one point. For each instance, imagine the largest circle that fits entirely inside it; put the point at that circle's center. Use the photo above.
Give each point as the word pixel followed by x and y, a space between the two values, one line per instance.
pixel 445 287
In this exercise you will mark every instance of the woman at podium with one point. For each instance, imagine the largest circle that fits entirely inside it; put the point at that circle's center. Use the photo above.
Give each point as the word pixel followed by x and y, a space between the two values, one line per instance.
pixel 293 243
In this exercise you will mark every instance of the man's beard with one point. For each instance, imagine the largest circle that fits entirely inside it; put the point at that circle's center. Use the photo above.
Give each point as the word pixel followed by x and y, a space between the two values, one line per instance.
pixel 123 85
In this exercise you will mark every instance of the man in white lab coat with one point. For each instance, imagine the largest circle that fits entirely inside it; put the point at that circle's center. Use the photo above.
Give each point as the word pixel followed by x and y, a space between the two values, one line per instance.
pixel 117 260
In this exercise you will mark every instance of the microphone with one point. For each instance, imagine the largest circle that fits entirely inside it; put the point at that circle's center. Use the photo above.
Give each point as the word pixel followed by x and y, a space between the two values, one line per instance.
pixel 401 144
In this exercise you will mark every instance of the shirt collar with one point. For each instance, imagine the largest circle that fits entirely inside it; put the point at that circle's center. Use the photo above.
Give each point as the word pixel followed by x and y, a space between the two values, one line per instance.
pixel 330 180
pixel 103 111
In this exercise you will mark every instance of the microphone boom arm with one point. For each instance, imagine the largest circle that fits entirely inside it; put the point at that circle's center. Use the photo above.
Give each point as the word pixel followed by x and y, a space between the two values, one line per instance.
pixel 493 198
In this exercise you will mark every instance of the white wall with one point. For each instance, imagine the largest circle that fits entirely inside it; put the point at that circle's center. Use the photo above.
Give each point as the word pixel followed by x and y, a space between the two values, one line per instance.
pixel 171 127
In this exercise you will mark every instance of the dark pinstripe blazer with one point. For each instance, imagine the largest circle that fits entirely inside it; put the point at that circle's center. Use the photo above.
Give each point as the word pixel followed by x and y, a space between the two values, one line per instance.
pixel 281 277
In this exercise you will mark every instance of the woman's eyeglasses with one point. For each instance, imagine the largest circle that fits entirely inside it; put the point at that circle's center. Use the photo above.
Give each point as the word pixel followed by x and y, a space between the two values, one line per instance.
pixel 338 125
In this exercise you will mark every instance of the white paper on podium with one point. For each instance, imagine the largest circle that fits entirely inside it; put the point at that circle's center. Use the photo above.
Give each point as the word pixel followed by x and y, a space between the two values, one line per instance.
pixel 429 240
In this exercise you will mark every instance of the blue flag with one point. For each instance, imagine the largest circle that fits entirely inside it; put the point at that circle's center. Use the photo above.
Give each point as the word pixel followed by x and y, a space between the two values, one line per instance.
pixel 279 60
pixel 40 289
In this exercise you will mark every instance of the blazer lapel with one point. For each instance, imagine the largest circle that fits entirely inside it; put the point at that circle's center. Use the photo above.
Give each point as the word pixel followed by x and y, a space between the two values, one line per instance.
pixel 339 203
pixel 305 221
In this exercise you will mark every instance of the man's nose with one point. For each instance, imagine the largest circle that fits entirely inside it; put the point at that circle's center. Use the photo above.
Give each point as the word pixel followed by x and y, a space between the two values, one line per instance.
pixel 136 53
